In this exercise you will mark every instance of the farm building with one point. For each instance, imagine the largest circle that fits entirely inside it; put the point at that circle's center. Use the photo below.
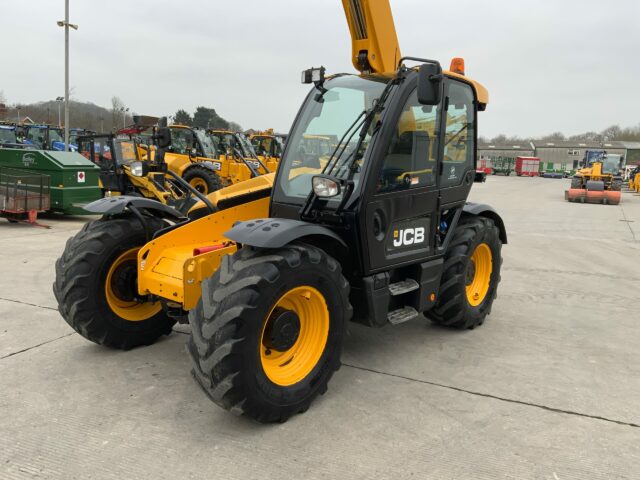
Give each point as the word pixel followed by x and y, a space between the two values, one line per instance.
pixel 489 154
pixel 556 155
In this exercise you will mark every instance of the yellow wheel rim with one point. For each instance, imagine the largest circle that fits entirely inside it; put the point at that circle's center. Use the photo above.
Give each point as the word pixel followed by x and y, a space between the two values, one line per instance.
pixel 289 364
pixel 479 274
pixel 119 278
pixel 199 184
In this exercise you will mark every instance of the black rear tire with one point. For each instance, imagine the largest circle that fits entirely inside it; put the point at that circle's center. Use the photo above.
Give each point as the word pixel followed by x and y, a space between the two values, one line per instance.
pixel 205 180
pixel 228 323
pixel 453 308
pixel 81 274
pixel 616 185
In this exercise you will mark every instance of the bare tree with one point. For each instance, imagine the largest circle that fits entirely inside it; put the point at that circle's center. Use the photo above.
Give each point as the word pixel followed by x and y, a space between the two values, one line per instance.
pixel 3 105
pixel 116 110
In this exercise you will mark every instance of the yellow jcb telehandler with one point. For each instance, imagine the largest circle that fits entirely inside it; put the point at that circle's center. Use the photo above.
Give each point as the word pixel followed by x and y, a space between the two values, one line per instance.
pixel 268 272
pixel 634 179
pixel 267 144
pixel 598 181
pixel 236 147
pixel 125 169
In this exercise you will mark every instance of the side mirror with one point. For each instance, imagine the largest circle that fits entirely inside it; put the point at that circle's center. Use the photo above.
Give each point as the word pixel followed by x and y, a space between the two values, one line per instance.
pixel 193 153
pixel 430 84
pixel 163 137
pixel 325 186
pixel 139 169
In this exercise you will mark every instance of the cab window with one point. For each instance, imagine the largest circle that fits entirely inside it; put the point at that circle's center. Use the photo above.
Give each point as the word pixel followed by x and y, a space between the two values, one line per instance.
pixel 411 161
pixel 459 137
pixel 182 140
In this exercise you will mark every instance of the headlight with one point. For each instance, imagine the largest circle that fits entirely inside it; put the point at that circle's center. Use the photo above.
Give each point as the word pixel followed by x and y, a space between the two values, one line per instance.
pixel 325 187
pixel 137 169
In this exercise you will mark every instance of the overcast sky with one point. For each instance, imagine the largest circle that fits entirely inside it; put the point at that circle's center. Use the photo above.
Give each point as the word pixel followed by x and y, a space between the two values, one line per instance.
pixel 549 65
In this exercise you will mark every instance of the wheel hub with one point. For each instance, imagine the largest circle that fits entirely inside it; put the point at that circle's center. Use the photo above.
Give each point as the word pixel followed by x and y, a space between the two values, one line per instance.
pixel 283 330
pixel 124 282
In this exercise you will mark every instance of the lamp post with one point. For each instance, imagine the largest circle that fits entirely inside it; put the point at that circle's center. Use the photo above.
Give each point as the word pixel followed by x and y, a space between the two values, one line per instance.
pixel 66 26
pixel 124 116
pixel 59 100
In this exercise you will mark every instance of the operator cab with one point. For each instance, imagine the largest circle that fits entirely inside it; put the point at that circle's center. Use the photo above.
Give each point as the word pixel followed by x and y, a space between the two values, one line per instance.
pixel 397 167
pixel 191 141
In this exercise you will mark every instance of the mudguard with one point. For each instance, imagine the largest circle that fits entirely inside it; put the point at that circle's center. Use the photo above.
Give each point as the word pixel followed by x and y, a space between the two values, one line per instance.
pixel 116 205
pixel 276 232
pixel 485 210
pixel 208 164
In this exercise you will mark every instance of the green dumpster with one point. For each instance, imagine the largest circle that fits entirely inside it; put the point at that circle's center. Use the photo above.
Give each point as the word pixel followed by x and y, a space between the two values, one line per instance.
pixel 74 179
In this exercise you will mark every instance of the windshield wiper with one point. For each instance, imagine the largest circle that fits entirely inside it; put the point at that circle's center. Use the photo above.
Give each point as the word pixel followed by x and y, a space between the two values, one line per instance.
pixel 335 156
pixel 361 125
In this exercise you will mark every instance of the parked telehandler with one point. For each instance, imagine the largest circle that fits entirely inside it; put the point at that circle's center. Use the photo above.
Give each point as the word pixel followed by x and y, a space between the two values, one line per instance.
pixel 598 180
pixel 125 169
pixel 236 147
pixel 267 144
pixel 194 157
pixel 633 178
pixel 270 271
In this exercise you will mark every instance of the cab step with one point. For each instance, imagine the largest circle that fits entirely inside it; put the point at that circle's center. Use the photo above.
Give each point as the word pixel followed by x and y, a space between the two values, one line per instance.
pixel 405 286
pixel 402 315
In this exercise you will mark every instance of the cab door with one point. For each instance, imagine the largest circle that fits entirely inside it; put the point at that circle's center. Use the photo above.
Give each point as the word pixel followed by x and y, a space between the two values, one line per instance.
pixel 458 165
pixel 401 209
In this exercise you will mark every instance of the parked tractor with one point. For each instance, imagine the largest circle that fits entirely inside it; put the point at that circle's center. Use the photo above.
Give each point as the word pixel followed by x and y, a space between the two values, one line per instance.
pixel 46 137
pixel 268 272
pixel 9 136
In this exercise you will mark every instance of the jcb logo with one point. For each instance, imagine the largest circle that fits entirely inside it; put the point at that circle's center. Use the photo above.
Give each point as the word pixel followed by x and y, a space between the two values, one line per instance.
pixel 408 236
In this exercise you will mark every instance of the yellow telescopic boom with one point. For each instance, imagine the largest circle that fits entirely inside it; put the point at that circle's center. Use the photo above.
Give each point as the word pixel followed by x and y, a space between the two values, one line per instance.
pixel 374 41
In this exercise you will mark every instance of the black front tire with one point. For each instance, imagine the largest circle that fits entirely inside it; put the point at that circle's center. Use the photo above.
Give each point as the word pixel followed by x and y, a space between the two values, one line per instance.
pixel 227 324
pixel 453 308
pixel 81 274
pixel 203 176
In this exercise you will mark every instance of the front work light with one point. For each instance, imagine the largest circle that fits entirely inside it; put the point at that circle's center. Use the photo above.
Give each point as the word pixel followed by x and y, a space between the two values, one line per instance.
pixel 325 187
pixel 313 75
pixel 139 169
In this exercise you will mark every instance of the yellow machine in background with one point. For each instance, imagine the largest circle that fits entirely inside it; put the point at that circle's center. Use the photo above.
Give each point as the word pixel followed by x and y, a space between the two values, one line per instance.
pixel 267 144
pixel 634 179
pixel 125 169
pixel 193 157
pixel 598 181
pixel 235 146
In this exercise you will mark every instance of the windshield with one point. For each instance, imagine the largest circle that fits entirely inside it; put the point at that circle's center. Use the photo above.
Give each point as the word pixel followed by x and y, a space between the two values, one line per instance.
pixel 209 149
pixel 124 151
pixel 320 128
pixel 246 147
pixel 36 136
pixel 267 145
pixel 221 141
pixel 55 135
pixel 611 164
pixel 7 135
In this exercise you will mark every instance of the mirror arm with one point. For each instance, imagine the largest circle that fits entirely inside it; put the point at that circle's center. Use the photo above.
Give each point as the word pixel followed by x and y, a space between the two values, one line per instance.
pixel 349 187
